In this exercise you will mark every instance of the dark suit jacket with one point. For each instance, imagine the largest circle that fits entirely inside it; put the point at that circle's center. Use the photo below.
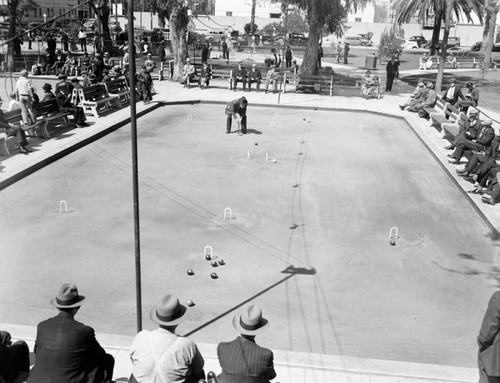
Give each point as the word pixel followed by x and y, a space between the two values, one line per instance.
pixel 243 361
pixel 486 136
pixel 66 351
pixel 489 337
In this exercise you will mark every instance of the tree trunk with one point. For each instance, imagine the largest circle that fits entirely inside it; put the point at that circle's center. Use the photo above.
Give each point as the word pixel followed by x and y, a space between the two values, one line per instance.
pixel 490 40
pixel 435 33
pixel 447 26
pixel 310 60
pixel 12 7
pixel 179 44
pixel 486 29
pixel 252 17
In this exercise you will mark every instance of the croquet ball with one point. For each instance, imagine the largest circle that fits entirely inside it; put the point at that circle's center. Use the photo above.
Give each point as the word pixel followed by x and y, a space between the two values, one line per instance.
pixel 275 160
pixel 256 144
pixel 190 272
pixel 190 303
pixel 208 257
pixel 393 242
pixel 211 375
pixel 214 276
pixel 215 264
pixel 221 262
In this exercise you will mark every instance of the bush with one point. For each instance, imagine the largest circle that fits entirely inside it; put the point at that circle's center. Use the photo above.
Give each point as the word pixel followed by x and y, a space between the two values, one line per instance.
pixel 390 44
pixel 250 29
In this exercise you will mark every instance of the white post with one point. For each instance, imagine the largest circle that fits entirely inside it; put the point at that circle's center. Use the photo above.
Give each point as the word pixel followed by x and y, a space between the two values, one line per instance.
pixel 63 205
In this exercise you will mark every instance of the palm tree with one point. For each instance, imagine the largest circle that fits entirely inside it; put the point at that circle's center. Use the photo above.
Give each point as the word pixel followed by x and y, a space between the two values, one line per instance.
pixel 329 14
pixel 491 7
pixel 443 13
pixel 176 12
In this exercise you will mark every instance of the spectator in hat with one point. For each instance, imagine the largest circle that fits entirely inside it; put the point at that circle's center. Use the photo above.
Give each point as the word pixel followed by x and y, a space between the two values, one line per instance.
pixel 161 355
pixel 188 73
pixel 272 78
pixel 48 63
pixel 468 129
pixel 107 61
pixel 242 360
pixel 71 104
pixel 63 89
pixel 82 36
pixel 470 99
pixel 26 97
pixel 7 127
pixel 295 67
pixel 14 359
pixel 465 146
pixel 97 66
pixel 416 97
pixel 254 76
pixel 453 93
pixel 59 63
pixel 69 65
pixel 145 85
pixel 86 63
pixel 240 75
pixel 237 109
pixel 67 350
pixel 47 92
pixel 391 70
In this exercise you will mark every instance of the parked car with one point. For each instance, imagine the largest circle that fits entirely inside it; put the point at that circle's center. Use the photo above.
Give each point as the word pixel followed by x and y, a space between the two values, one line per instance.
pixel 409 44
pixel 420 40
pixel 453 43
pixel 365 41
pixel 477 47
pixel 353 40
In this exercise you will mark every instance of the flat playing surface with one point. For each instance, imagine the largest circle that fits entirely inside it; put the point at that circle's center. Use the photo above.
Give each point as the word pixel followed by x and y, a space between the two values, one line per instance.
pixel 339 183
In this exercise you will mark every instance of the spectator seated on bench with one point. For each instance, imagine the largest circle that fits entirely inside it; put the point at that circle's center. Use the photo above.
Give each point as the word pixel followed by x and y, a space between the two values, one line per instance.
pixel 465 146
pixel 452 60
pixel 468 129
pixel 428 62
pixel 205 76
pixel 95 99
pixel 59 63
pixel 272 78
pixel 70 66
pixel 429 100
pixel 48 63
pixel 240 75
pixel 255 76
pixel 85 63
pixel 188 73
pixel 70 105
pixel 416 97
pixel 471 99
pixel 144 85
pixel 366 82
pixel 48 112
pixel 10 129
pixel 14 359
pixel 453 93
pixel 370 86
pixel 438 108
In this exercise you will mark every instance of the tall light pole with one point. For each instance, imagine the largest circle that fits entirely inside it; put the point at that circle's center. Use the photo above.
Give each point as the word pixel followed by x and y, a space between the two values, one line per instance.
pixel 135 166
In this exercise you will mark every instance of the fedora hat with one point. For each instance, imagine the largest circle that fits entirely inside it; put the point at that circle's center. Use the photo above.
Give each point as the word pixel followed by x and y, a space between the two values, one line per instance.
pixel 47 87
pixel 473 111
pixel 67 297
pixel 487 122
pixel 250 321
pixel 168 312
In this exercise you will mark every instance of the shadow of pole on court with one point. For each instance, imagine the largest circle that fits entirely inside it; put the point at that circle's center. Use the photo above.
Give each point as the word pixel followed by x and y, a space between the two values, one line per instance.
pixel 290 270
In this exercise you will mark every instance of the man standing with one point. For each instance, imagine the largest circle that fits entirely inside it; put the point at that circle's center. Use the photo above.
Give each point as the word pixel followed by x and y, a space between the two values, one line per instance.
pixel 391 70
pixel 67 350
pixel 205 52
pixel 320 55
pixel 225 51
pixel 347 47
pixel 340 49
pixel 82 36
pixel 161 355
pixel 489 342
pixel 242 360
pixel 237 109
pixel 288 57
pixel 26 96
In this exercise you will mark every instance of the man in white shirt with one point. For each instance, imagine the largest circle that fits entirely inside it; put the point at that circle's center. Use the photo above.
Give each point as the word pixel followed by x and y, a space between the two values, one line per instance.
pixel 188 73
pixel 161 356
pixel 24 91
pixel 149 63
pixel 82 36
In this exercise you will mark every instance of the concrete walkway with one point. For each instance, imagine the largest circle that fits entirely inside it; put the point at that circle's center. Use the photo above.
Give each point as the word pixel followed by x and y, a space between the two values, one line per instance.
pixel 291 366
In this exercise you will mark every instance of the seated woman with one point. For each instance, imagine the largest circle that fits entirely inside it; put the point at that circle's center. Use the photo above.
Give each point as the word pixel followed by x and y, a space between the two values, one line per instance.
pixel 366 83
pixel 374 89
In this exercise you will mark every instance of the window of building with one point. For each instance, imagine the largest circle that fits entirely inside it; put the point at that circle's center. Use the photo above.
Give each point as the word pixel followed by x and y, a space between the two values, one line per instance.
pixel 357 20
pixel 275 15
pixel 229 13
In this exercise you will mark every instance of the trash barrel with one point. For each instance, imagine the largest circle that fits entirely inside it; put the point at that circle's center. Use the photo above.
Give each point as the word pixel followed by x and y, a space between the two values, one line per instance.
pixel 371 62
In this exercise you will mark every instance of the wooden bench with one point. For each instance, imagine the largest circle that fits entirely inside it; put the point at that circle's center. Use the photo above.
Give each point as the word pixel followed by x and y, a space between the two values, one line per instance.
pixel 48 113
pixel 423 62
pixel 319 83
pixel 119 87
pixel 224 74
pixel 95 99
pixel 451 126
pixel 466 62
pixel 440 118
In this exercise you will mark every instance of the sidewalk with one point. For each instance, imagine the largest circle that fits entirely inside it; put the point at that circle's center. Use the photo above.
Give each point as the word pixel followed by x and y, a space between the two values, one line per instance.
pixel 291 366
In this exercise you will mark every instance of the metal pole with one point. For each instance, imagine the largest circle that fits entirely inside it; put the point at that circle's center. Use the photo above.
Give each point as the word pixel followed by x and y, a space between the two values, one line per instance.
pixel 135 167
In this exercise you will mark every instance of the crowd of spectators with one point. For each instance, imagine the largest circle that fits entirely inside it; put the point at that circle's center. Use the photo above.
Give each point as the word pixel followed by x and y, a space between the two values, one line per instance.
pixel 68 351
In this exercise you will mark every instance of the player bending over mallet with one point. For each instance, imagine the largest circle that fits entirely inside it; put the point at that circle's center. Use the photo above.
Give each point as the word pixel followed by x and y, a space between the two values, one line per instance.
pixel 237 109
